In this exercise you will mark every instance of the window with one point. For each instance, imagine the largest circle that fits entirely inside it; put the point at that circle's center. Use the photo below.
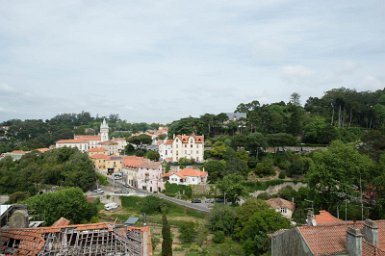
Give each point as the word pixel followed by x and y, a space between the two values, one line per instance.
pixel 185 145
pixel 191 145
pixel 283 210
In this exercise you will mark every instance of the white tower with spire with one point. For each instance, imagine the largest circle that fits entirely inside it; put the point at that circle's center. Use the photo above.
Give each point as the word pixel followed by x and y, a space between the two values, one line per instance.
pixel 104 131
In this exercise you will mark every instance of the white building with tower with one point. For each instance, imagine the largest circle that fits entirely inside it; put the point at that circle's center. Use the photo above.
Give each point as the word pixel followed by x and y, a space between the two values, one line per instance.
pixel 87 142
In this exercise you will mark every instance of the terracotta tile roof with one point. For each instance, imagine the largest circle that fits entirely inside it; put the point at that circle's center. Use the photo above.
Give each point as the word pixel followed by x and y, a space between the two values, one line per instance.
pixel 192 172
pixel 109 142
pixel 140 162
pixel 31 243
pixel 32 240
pixel 327 239
pixel 42 150
pixel 370 250
pixel 278 203
pixel 133 161
pixel 381 233
pixel 71 141
pixel 80 139
pixel 97 150
pixel 185 138
pixel 324 217
pixel 187 172
pixel 19 152
pixel 100 156
pixel 167 142
pixel 87 137
pixel 61 222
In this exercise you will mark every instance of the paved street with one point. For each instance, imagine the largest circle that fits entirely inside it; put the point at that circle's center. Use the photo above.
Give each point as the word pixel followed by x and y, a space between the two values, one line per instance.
pixel 118 185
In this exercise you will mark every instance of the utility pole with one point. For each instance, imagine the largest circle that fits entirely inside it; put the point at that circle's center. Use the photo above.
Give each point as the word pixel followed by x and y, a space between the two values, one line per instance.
pixel 362 202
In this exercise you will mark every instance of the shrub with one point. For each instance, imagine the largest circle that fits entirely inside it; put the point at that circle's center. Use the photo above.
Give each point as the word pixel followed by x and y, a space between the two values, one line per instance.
pixel 18 196
pixel 174 189
pixel 263 196
pixel 282 175
pixel 219 237
pixel 187 232
pixel 152 204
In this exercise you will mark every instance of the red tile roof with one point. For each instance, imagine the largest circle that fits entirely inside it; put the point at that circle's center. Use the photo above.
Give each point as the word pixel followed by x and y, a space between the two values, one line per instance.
pixel 87 137
pixel 97 150
pixel 140 162
pixel 187 172
pixel 278 203
pixel 109 142
pixel 324 217
pixel 42 150
pixel 71 141
pixel 327 239
pixel 19 152
pixel 330 239
pixel 185 138
pixel 61 222
pixel 100 156
pixel 32 239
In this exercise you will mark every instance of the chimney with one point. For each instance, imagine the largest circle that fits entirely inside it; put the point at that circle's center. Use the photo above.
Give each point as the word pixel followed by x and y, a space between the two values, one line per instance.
pixel 354 241
pixel 310 220
pixel 371 232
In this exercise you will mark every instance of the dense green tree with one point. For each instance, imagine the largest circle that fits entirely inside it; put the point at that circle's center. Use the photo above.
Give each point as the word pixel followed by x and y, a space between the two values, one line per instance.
pixel 255 221
pixel 222 218
pixel 68 203
pixel 335 174
pixel 62 167
pixel 153 155
pixel 187 232
pixel 215 169
pixel 265 168
pixel 166 235
pixel 140 139
pixel 231 188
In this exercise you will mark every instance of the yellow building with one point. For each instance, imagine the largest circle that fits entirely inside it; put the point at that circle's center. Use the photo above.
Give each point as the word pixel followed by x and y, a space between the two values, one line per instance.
pixel 99 161
pixel 114 164
pixel 96 151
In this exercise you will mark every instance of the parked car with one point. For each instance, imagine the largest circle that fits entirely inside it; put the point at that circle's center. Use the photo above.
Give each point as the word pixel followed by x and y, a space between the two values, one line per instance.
pixel 219 200
pixel 110 206
pixel 98 191
pixel 117 176
pixel 196 200
pixel 210 200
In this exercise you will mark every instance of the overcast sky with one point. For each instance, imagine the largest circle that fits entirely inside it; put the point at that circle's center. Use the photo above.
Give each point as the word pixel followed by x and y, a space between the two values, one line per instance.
pixel 160 60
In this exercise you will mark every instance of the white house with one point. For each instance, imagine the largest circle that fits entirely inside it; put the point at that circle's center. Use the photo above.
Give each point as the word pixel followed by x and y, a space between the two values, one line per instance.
pixel 165 150
pixel 187 176
pixel 285 207
pixel 182 146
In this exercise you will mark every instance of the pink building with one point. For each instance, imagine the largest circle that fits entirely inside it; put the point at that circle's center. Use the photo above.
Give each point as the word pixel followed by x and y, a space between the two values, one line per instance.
pixel 143 174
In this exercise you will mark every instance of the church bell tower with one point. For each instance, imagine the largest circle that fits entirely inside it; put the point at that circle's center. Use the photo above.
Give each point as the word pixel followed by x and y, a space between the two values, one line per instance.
pixel 104 131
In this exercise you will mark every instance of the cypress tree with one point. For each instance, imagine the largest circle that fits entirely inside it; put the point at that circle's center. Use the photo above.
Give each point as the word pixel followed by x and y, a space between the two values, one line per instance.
pixel 167 240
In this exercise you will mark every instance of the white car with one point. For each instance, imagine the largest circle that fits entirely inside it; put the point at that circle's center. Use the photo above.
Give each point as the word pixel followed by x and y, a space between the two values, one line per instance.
pixel 110 206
